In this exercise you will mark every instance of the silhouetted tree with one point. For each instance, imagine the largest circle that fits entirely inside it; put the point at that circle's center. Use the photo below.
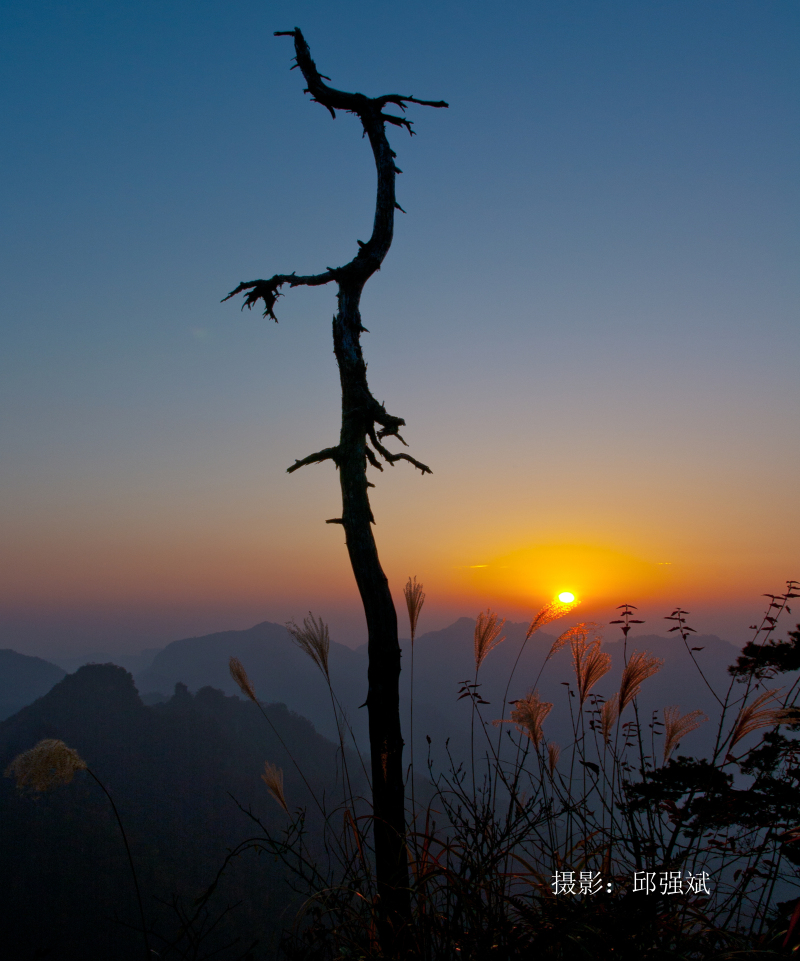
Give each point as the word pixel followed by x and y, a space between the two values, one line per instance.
pixel 365 426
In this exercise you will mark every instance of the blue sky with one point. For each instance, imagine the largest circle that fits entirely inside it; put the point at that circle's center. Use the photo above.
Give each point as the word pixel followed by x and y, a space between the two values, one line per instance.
pixel 588 317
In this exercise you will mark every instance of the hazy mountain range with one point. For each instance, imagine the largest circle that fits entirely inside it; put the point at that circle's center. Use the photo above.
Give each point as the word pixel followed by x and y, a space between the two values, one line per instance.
pixel 175 756
pixel 281 673
pixel 23 679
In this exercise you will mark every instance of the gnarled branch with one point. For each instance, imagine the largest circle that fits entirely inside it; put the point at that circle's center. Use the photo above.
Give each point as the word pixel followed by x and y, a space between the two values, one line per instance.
pixel 391 458
pixel 269 290
pixel 330 453
pixel 370 111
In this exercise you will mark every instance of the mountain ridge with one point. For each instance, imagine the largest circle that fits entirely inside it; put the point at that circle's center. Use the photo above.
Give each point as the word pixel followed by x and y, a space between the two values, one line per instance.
pixel 443 659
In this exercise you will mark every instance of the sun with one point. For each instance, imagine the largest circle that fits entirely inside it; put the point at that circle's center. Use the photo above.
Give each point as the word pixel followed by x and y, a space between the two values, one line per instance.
pixel 566 597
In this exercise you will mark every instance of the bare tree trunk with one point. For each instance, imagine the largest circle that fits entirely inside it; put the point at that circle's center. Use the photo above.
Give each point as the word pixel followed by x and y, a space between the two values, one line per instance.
pixel 386 742
pixel 365 425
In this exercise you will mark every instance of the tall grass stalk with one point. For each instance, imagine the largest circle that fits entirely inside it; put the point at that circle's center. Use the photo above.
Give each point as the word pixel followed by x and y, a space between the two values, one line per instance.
pixel 614 801
pixel 415 598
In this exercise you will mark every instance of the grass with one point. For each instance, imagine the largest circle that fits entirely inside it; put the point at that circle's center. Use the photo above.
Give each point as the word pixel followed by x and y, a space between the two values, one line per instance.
pixel 608 846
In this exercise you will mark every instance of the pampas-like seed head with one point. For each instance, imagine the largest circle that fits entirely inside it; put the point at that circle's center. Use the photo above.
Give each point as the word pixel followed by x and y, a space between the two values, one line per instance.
pixel 553 754
pixel 754 716
pixel 550 612
pixel 239 674
pixel 487 627
pixel 608 716
pixel 677 727
pixel 48 764
pixel 579 630
pixel 273 778
pixel 636 671
pixel 313 638
pixel 589 661
pixel 528 714
pixel 415 598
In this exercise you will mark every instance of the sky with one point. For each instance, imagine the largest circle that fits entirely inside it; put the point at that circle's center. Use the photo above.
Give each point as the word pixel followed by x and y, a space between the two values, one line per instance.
pixel 588 318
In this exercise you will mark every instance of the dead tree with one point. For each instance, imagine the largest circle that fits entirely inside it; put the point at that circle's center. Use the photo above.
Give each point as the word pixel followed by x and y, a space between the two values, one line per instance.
pixel 366 425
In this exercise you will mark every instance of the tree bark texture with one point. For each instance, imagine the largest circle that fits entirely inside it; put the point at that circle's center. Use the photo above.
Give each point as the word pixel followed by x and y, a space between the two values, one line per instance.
pixel 365 426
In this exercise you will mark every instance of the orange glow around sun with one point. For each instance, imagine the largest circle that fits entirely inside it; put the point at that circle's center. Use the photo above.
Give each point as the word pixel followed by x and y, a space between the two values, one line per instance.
pixel 602 573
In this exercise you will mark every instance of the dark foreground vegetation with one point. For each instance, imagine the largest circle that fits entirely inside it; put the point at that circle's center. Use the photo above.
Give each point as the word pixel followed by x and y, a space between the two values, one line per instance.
pixel 612 844
pixel 173 770
pixel 608 842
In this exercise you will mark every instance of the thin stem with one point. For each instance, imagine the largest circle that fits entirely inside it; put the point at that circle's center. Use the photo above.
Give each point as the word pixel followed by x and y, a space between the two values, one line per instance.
pixel 148 952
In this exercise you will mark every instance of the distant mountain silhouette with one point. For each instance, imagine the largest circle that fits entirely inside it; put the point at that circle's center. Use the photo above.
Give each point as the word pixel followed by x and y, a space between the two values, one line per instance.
pixel 279 670
pixel 170 769
pixel 23 679
pixel 282 673
pixel 135 663
pixel 442 659
pixel 171 766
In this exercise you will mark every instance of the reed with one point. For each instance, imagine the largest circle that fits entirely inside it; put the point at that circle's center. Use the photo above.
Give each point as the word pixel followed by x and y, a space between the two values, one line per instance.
pixel 487 630
pixel 273 778
pixel 677 727
pixel 485 864
pixel 528 714
pixel 535 856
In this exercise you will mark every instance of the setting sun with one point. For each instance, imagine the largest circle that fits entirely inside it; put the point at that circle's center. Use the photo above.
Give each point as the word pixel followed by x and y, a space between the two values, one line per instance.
pixel 566 597
pixel 544 571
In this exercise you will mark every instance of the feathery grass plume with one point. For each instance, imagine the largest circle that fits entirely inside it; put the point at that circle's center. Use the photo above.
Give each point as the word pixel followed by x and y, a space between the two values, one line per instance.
pixel 608 716
pixel 677 727
pixel 553 754
pixel 48 764
pixel 239 674
pixel 637 670
pixel 754 716
pixel 583 629
pixel 273 778
pixel 487 627
pixel 550 612
pixel 415 598
pixel 528 714
pixel 313 638
pixel 589 661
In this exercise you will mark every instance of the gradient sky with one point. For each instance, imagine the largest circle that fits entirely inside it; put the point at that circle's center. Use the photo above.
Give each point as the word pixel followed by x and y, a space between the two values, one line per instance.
pixel 589 317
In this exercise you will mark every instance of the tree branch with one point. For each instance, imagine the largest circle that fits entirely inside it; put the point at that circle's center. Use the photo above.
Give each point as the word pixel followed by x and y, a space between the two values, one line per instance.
pixel 373 460
pixel 269 290
pixel 401 101
pixel 393 458
pixel 338 99
pixel 389 423
pixel 330 453
pixel 370 112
